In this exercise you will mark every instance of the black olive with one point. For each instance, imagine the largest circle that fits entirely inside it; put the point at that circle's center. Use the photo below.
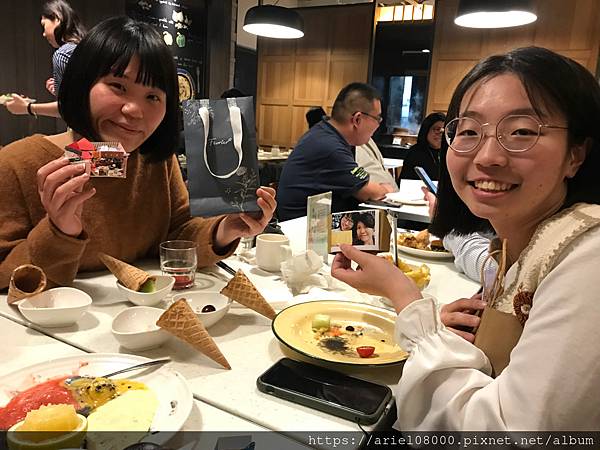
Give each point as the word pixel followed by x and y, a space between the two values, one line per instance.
pixel 208 308
pixel 349 328
pixel 383 340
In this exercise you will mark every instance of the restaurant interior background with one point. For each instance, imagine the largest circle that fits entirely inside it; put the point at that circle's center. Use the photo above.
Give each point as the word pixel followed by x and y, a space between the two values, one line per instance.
pixel 411 50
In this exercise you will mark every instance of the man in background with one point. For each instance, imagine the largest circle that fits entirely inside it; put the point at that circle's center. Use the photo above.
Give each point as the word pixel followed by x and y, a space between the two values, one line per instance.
pixel 324 158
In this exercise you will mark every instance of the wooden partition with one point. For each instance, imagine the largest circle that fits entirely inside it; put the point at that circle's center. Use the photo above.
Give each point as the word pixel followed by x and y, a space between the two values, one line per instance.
pixel 571 28
pixel 294 75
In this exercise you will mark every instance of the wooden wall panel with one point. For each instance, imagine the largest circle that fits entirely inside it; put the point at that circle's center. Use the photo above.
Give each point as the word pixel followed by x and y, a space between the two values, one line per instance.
pixel 276 80
pixel 274 124
pixel 298 74
pixel 441 91
pixel 344 71
pixel 310 81
pixel 570 28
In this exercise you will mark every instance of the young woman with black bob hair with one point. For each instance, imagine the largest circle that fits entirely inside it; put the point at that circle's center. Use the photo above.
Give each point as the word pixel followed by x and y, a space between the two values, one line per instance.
pixel 120 86
pixel 63 30
pixel 521 158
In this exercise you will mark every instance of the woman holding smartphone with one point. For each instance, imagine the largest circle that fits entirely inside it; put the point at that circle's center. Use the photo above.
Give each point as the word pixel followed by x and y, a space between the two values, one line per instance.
pixel 520 157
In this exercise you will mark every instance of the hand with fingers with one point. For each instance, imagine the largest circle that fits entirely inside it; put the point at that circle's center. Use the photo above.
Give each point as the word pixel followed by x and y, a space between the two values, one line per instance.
pixel 17 105
pixel 462 316
pixel 50 86
pixel 374 275
pixel 236 226
pixel 431 201
pixel 61 189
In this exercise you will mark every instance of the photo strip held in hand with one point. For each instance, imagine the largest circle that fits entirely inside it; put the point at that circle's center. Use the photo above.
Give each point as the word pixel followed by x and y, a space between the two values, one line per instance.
pixel 365 229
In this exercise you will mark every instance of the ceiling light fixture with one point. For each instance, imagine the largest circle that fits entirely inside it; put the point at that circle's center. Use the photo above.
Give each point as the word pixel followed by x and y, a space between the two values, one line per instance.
pixel 494 13
pixel 274 22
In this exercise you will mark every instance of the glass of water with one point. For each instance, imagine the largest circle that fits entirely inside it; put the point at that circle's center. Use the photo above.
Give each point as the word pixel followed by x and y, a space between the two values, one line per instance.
pixel 178 259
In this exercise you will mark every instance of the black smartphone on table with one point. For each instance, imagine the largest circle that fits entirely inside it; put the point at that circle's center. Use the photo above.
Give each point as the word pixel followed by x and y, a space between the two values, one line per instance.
pixel 326 390
pixel 426 180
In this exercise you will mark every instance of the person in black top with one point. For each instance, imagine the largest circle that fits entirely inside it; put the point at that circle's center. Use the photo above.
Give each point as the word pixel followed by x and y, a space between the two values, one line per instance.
pixel 323 160
pixel 426 152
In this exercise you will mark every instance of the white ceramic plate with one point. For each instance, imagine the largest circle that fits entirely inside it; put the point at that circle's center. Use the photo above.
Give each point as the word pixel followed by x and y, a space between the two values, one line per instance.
pixel 293 327
pixel 424 253
pixel 175 399
pixel 396 197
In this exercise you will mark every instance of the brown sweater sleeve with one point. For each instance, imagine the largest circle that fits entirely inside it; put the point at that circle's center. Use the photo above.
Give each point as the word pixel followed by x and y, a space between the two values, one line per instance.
pixel 198 229
pixel 21 243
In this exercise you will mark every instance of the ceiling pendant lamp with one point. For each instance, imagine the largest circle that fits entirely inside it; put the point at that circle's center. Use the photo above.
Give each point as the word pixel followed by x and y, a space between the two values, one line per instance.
pixel 274 22
pixel 494 13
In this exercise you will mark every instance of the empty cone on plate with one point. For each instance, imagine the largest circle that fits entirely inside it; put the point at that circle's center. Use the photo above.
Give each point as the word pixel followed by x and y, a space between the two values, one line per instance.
pixel 131 277
pixel 241 289
pixel 182 322
pixel 25 281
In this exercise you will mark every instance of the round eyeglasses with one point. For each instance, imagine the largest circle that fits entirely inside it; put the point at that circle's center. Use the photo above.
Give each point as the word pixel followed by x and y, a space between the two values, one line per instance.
pixel 515 133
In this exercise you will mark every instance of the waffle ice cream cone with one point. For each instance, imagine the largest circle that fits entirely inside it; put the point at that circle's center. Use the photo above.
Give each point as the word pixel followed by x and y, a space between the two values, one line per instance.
pixel 25 281
pixel 241 289
pixel 181 321
pixel 131 277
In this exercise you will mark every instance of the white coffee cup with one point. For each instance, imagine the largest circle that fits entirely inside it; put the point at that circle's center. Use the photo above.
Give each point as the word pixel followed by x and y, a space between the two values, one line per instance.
pixel 271 250
pixel 275 150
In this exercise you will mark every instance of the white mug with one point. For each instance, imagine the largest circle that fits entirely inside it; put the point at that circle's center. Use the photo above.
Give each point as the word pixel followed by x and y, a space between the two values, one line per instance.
pixel 271 250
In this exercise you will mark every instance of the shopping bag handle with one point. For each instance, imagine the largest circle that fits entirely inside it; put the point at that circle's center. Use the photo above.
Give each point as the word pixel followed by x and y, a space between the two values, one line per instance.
pixel 235 118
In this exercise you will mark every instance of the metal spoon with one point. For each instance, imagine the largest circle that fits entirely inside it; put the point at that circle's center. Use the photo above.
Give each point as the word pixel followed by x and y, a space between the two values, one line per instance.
pixel 154 362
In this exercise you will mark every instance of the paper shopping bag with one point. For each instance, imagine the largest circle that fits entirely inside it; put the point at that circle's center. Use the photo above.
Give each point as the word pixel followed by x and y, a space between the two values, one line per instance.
pixel 222 161
pixel 497 335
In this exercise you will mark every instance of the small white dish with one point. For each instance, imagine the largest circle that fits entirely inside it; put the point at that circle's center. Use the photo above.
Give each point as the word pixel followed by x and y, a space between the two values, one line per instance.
pixel 198 300
pixel 58 307
pixel 164 284
pixel 135 328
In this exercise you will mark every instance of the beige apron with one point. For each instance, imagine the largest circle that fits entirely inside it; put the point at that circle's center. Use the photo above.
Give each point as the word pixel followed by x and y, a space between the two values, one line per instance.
pixel 503 320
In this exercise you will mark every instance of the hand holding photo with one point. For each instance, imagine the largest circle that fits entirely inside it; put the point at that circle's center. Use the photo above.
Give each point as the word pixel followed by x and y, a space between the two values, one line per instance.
pixel 368 229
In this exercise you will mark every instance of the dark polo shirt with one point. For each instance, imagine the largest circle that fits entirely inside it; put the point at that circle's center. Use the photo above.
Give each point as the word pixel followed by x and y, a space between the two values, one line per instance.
pixel 321 161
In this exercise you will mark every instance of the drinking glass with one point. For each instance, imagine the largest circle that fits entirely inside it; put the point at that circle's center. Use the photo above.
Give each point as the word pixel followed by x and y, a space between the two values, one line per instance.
pixel 178 259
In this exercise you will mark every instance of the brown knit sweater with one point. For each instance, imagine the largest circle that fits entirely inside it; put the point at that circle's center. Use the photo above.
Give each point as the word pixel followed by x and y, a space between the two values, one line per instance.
pixel 126 218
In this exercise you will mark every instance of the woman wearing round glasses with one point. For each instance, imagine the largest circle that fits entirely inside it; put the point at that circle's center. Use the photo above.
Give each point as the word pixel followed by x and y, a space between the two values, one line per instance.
pixel 521 158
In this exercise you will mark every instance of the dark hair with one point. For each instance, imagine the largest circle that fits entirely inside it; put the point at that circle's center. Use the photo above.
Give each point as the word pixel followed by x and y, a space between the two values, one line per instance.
pixel 366 219
pixel 426 126
pixel 233 92
pixel 70 28
pixel 108 48
pixel 552 82
pixel 314 116
pixel 352 98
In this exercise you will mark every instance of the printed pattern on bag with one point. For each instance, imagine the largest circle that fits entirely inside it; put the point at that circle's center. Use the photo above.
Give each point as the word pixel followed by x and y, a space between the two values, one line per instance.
pixel 220 139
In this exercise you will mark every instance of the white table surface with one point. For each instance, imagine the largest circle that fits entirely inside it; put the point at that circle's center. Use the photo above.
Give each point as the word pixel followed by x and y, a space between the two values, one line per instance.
pixel 244 337
pixel 23 347
pixel 392 163
pixel 410 189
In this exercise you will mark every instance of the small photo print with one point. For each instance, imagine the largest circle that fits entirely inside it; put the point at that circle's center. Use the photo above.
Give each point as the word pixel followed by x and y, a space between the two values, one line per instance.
pixel 359 228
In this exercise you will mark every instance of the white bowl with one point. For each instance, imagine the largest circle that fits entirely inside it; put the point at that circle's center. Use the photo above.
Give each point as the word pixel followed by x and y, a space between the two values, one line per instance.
pixel 198 300
pixel 164 284
pixel 135 328
pixel 58 307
